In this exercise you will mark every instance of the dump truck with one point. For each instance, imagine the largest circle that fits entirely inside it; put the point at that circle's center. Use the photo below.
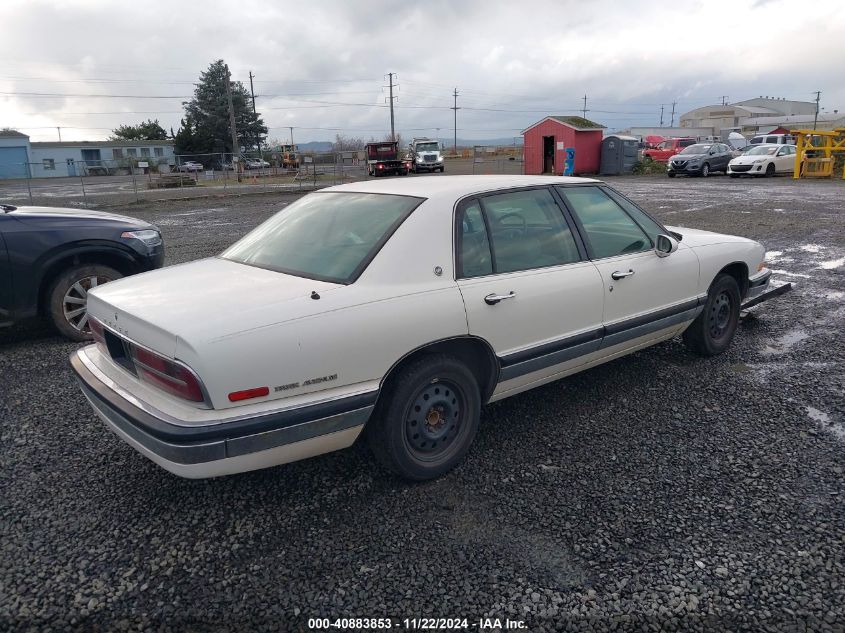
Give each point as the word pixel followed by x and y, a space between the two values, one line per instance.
pixel 383 158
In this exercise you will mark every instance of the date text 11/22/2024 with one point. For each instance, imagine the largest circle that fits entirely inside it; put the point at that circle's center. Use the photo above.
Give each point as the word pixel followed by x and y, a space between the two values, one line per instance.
pixel 415 624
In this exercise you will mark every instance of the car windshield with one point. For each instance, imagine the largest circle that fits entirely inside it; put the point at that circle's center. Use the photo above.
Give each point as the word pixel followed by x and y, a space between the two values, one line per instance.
pixel 427 147
pixel 696 149
pixel 762 150
pixel 328 236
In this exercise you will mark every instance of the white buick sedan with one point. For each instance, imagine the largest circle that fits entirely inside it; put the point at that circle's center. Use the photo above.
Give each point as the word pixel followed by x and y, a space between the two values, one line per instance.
pixel 397 309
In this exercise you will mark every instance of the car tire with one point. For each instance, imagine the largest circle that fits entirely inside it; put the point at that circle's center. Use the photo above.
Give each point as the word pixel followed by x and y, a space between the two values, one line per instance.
pixel 713 330
pixel 69 293
pixel 671 175
pixel 734 175
pixel 418 443
pixel 770 170
pixel 705 170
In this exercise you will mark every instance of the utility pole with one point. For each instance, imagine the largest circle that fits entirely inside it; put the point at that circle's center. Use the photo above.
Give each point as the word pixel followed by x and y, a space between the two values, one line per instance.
pixel 60 134
pixel 291 138
pixel 235 146
pixel 661 115
pixel 724 99
pixel 816 117
pixel 252 92
pixel 456 108
pixel 392 129
pixel 585 107
pixel 672 124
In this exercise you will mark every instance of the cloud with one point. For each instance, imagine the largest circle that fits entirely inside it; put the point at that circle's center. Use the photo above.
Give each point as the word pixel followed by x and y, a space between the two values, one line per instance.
pixel 511 62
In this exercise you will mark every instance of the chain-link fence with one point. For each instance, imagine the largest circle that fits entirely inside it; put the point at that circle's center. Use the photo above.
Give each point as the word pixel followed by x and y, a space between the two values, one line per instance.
pixel 130 179
pixel 493 159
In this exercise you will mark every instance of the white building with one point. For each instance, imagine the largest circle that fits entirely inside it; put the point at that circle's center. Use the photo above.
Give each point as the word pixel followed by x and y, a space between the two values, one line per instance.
pixel 733 116
pixel 19 158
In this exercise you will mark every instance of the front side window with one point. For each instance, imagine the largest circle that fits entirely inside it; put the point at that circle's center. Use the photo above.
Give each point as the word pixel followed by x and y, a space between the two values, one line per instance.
pixel 328 236
pixel 528 230
pixel 609 230
pixel 652 228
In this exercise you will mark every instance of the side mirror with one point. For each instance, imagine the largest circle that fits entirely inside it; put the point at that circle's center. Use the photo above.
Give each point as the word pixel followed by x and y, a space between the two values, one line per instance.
pixel 665 246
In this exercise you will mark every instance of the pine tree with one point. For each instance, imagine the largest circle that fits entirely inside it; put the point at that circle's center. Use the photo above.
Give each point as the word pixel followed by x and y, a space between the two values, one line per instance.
pixel 205 128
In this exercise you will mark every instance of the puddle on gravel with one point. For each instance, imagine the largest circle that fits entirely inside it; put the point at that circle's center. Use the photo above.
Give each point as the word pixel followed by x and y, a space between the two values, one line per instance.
pixel 784 343
pixel 833 263
pixel 812 248
pixel 824 421
pixel 789 274
pixel 834 295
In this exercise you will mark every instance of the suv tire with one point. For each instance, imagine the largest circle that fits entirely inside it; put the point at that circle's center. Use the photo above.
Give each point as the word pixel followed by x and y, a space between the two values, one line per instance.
pixel 69 294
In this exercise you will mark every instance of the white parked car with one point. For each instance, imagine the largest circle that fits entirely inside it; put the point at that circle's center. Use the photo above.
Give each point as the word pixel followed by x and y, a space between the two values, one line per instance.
pixel 190 166
pixel 764 160
pixel 256 163
pixel 398 308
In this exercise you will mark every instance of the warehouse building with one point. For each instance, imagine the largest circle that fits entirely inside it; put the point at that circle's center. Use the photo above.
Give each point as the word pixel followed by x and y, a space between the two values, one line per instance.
pixel 21 159
pixel 732 117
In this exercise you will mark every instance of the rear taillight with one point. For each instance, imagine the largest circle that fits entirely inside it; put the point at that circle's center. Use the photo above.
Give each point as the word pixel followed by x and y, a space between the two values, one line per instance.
pixel 97 331
pixel 166 374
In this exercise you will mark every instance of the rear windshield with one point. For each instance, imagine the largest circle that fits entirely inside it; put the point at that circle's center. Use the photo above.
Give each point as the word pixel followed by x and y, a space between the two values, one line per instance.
pixel 762 150
pixel 330 236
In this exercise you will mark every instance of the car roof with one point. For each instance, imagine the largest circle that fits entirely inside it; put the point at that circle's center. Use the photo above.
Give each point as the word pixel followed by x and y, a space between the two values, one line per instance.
pixel 453 186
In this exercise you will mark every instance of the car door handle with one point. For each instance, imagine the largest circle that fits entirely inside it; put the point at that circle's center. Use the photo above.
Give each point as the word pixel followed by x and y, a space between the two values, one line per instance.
pixel 617 275
pixel 493 299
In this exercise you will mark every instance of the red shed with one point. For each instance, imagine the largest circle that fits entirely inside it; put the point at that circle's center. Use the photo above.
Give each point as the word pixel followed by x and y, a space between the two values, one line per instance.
pixel 545 141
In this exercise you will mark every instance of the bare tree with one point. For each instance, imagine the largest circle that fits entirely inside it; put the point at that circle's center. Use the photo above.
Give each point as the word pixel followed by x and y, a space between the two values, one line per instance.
pixel 347 143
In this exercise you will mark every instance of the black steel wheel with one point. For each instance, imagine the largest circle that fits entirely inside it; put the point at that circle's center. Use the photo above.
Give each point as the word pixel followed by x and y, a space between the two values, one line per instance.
pixel 427 418
pixel 713 330
pixel 770 170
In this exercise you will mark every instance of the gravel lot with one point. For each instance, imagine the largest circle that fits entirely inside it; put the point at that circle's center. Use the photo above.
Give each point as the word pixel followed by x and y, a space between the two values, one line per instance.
pixel 660 491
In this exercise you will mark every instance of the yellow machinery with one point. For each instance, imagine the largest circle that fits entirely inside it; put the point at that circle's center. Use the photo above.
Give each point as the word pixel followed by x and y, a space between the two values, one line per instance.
pixel 817 151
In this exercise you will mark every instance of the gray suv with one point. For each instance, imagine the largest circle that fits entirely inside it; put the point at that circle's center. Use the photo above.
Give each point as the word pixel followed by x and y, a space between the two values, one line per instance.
pixel 700 159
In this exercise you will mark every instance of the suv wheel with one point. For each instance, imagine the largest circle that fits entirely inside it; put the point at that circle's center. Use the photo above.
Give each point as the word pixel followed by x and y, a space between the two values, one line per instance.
pixel 68 298
pixel 428 419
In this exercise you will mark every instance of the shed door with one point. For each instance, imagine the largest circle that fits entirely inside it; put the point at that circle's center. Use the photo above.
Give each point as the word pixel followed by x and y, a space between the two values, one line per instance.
pixel 13 162
pixel 548 154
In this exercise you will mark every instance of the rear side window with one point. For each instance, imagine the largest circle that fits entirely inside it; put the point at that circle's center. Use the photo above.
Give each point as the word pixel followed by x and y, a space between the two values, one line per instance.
pixel 609 230
pixel 511 232
pixel 474 255
pixel 527 230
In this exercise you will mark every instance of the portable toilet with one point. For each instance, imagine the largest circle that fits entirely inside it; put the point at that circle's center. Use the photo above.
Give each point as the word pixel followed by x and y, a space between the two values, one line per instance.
pixel 619 154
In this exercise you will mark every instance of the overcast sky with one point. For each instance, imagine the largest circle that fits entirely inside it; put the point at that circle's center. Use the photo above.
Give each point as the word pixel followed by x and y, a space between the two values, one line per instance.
pixel 512 62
